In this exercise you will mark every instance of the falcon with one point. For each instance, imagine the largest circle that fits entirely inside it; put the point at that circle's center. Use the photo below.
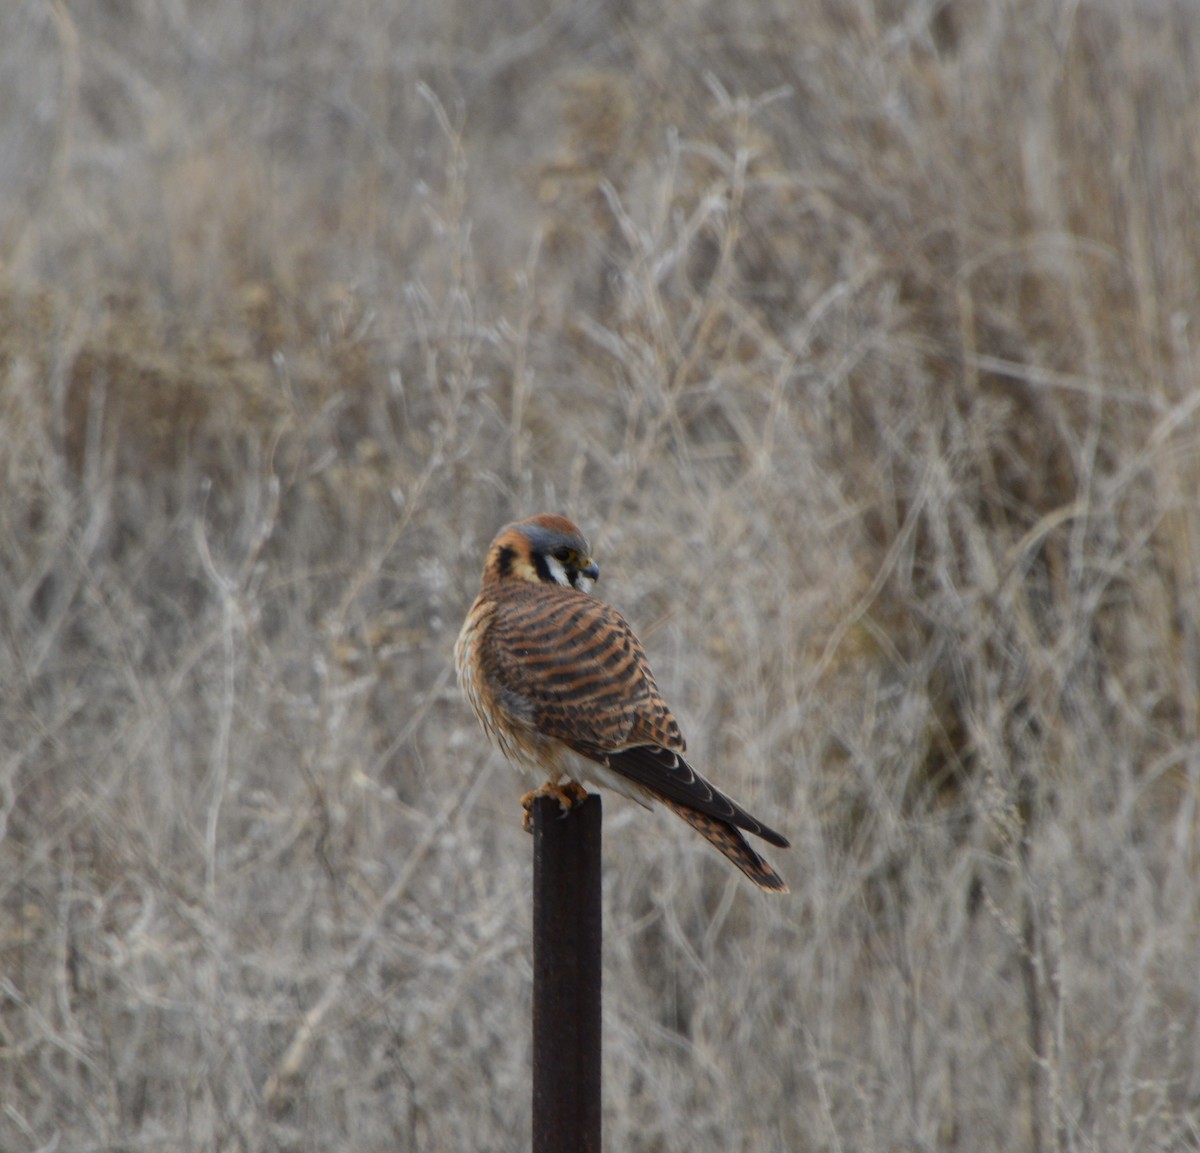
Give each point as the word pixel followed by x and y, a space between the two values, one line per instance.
pixel 562 686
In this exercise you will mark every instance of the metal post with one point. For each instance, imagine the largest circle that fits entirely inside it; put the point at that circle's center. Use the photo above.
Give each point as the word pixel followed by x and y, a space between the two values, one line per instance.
pixel 566 977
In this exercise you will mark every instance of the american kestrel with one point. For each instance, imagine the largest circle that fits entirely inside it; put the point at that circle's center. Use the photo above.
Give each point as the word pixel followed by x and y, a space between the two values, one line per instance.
pixel 561 684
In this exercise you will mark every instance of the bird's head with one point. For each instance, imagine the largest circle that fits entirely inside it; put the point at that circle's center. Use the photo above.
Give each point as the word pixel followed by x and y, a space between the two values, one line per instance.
pixel 545 548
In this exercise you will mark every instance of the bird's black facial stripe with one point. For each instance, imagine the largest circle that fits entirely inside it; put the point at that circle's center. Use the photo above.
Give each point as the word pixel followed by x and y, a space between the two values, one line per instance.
pixel 556 560
pixel 543 569
pixel 566 571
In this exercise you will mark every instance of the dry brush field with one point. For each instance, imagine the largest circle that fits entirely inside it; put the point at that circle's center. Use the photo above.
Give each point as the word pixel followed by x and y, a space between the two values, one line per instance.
pixel 860 338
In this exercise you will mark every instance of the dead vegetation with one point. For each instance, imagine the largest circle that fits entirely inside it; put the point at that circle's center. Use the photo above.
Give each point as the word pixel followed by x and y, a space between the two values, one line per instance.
pixel 860 340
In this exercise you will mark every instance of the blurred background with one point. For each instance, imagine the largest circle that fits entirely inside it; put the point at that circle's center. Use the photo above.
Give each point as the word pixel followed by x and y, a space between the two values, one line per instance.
pixel 860 340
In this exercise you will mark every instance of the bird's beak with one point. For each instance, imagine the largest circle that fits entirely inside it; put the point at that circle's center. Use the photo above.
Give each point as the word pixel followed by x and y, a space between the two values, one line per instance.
pixel 591 570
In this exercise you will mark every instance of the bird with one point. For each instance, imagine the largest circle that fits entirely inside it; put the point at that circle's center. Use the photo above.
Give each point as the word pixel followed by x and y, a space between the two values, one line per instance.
pixel 561 684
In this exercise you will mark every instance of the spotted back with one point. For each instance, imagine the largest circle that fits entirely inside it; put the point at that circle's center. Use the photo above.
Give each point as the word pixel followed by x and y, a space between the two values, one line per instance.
pixel 571 666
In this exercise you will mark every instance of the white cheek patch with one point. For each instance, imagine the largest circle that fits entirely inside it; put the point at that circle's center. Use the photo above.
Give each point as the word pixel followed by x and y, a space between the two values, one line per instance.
pixel 557 571
pixel 583 583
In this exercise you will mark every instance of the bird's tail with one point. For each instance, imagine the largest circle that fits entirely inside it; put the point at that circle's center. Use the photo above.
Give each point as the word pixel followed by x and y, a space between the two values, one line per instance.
pixel 728 841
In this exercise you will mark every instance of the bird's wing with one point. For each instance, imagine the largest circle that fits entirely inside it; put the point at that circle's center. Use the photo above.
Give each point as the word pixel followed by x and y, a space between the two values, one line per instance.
pixel 666 773
pixel 570 666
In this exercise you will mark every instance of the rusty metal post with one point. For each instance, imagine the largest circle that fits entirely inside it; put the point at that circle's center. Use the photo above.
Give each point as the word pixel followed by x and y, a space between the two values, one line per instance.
pixel 566 977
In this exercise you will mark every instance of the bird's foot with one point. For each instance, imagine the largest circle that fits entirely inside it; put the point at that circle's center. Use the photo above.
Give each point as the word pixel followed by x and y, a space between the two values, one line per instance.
pixel 568 795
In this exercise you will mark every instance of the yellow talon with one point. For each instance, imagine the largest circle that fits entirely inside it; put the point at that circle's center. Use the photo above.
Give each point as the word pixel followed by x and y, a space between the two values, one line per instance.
pixel 568 795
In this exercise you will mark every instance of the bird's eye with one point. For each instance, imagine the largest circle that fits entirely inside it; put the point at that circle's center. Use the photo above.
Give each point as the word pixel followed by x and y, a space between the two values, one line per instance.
pixel 562 555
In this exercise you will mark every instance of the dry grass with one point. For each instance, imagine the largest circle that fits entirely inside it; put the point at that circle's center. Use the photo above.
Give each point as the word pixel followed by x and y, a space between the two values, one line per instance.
pixel 860 338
